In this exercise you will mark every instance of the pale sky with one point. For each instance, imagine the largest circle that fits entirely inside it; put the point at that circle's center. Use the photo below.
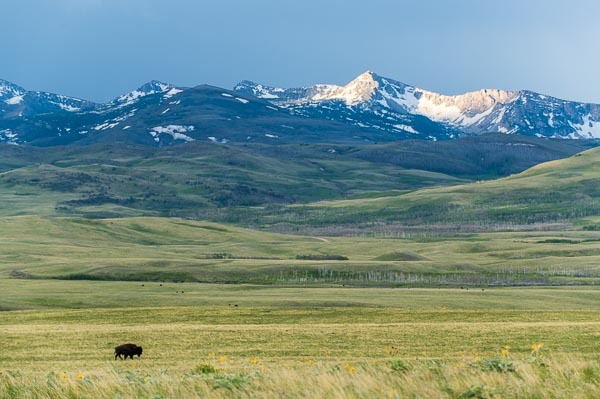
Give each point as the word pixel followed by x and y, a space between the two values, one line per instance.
pixel 98 49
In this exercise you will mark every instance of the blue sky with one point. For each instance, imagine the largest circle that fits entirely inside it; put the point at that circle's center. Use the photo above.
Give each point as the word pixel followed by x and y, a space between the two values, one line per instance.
pixel 97 49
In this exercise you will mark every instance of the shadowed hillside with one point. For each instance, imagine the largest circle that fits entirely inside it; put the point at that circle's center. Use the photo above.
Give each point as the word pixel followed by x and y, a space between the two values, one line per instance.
pixel 198 179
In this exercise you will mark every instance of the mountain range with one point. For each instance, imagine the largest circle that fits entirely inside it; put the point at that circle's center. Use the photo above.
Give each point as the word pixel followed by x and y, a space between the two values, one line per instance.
pixel 370 108
pixel 373 101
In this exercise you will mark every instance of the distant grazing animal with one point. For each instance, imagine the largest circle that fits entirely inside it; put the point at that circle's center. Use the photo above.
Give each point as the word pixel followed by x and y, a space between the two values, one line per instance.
pixel 123 351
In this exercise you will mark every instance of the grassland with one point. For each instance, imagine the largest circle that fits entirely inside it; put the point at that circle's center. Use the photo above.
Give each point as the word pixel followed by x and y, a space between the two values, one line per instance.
pixel 168 249
pixel 74 288
pixel 291 342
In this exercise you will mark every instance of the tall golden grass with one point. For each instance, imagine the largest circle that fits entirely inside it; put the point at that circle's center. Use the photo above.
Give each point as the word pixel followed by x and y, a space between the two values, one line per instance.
pixel 469 376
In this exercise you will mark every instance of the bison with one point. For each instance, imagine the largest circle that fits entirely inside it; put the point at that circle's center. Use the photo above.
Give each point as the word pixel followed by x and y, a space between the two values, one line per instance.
pixel 123 351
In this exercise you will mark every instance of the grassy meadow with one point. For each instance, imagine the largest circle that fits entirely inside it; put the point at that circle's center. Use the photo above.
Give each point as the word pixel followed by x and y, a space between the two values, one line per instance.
pixel 254 341
pixel 169 249
pixel 223 311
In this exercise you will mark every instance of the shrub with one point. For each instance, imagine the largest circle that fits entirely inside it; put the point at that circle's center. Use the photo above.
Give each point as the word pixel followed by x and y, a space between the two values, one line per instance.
pixel 204 369
pixel 477 392
pixel 398 365
pixel 501 366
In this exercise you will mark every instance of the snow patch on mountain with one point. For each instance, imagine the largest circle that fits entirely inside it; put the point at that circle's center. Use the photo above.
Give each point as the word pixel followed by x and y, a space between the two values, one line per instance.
pixel 15 100
pixel 172 92
pixel 105 126
pixel 406 128
pixel 589 128
pixel 8 136
pixel 65 106
pixel 150 88
pixel 177 132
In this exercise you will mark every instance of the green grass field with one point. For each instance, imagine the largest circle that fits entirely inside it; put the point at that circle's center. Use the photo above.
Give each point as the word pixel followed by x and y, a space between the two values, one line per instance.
pixel 167 249
pixel 306 342
pixel 73 289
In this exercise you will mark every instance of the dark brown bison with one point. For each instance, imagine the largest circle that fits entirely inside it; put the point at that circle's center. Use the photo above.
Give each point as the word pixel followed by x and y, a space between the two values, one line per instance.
pixel 123 351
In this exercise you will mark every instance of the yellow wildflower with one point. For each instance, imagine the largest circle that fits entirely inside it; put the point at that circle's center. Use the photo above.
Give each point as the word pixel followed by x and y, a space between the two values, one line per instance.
pixel 536 347
pixel 80 376
pixel 348 367
pixel 223 358
pixel 254 361
pixel 63 376
pixel 393 394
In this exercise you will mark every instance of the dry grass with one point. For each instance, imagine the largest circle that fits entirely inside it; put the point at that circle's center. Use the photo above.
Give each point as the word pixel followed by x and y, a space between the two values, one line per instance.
pixel 306 352
pixel 565 377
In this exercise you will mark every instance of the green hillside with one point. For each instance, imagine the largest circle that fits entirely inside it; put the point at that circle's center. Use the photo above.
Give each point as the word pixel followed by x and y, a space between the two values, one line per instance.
pixel 186 180
pixel 197 180
pixel 553 194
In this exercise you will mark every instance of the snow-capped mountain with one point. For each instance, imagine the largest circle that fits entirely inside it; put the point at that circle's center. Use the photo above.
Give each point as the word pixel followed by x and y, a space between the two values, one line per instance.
pixel 150 88
pixel 162 114
pixel 15 101
pixel 369 108
pixel 377 102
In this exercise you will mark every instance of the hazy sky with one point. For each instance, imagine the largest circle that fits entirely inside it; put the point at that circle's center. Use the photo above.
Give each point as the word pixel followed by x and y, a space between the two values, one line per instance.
pixel 98 49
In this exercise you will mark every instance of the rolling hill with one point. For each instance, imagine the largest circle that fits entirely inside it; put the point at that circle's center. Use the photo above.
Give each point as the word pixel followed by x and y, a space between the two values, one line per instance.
pixel 544 196
pixel 201 179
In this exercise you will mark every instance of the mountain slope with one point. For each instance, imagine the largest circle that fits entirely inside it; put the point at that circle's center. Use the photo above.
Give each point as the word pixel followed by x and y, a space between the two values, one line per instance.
pixel 15 101
pixel 374 101
pixel 161 114
pixel 211 114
